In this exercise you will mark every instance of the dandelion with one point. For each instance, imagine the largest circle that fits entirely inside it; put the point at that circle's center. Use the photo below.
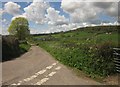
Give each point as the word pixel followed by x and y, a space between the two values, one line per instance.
pixel 91 48
pixel 87 39
pixel 106 33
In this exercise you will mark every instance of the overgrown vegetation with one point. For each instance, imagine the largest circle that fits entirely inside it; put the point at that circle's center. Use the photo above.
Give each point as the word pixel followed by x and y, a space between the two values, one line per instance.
pixel 15 44
pixel 87 49
pixel 11 48
pixel 24 47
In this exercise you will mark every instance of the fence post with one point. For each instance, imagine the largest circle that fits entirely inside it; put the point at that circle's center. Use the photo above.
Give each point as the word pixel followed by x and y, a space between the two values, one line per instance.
pixel 117 59
pixel 117 62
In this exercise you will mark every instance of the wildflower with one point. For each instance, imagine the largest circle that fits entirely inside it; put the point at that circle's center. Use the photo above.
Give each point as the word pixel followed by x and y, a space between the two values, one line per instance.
pixel 91 48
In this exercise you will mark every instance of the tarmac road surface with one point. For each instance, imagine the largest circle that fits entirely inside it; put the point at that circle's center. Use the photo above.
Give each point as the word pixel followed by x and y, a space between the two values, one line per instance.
pixel 37 67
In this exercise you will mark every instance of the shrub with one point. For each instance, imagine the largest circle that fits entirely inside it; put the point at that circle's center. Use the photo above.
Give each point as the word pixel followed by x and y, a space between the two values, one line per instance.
pixel 24 47
pixel 10 47
pixel 101 59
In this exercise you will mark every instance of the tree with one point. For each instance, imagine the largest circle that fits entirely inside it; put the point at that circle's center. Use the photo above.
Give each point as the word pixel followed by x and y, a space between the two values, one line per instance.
pixel 20 28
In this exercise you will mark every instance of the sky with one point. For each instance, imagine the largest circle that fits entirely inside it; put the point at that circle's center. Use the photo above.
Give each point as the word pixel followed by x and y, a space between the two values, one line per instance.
pixel 56 16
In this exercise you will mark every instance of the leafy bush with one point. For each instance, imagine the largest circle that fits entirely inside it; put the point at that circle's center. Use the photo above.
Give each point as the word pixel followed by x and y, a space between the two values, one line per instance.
pixel 101 59
pixel 10 47
pixel 24 47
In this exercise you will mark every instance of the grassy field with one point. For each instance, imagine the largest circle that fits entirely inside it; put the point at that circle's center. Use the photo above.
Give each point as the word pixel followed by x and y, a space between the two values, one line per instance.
pixel 87 49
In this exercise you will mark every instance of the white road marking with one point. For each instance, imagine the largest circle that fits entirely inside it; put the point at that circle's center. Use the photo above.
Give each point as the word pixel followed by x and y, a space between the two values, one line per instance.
pixel 13 84
pixel 47 77
pixel 27 79
pixel 42 81
pixel 19 84
pixel 54 64
pixel 32 77
pixel 49 67
pixel 35 75
pixel 52 73
pixel 40 72
pixel 59 67
pixel 20 81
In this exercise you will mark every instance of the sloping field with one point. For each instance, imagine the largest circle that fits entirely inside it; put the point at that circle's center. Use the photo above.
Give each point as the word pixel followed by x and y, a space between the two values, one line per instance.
pixel 88 49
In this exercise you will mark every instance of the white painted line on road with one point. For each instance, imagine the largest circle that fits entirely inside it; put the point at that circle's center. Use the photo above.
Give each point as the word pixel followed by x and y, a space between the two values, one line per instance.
pixel 59 67
pixel 20 81
pixel 42 81
pixel 35 75
pixel 47 77
pixel 19 84
pixel 13 84
pixel 52 73
pixel 54 64
pixel 40 72
pixel 49 67
pixel 28 79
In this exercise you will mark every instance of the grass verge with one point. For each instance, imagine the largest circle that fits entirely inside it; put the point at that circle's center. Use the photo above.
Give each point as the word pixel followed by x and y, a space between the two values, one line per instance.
pixel 24 47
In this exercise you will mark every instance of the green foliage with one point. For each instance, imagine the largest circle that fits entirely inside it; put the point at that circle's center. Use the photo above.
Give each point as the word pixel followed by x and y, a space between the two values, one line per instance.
pixel 100 59
pixel 24 47
pixel 88 49
pixel 20 28
pixel 11 48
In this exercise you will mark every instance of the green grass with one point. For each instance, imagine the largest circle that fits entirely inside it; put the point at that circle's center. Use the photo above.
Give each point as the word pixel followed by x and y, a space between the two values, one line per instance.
pixel 24 47
pixel 88 49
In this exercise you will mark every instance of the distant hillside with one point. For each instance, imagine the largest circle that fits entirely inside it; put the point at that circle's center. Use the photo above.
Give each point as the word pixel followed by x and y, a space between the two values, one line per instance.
pixel 91 29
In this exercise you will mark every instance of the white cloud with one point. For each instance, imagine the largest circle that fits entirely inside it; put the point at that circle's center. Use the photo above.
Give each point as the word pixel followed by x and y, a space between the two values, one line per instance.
pixel 114 23
pixel 12 8
pixel 4 20
pixel 5 31
pixel 1 12
pixel 59 28
pixel 55 18
pixel 4 27
pixel 110 8
pixel 36 12
pixel 82 14
pixel 92 1
pixel 113 10
pixel 88 11
pixel 79 11
pixel 35 31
